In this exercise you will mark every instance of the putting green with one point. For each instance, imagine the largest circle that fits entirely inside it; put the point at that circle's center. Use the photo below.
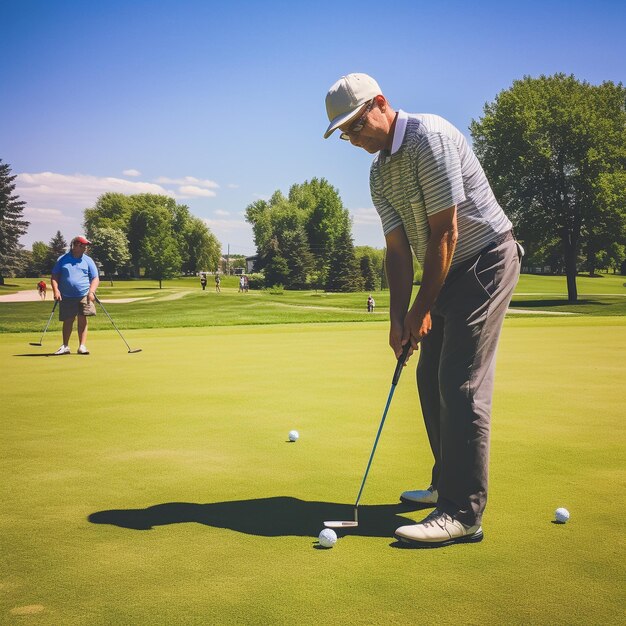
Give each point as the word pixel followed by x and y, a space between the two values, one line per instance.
pixel 160 488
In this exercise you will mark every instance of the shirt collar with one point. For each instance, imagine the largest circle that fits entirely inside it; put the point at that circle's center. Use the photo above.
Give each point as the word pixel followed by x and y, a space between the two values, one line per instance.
pixel 399 131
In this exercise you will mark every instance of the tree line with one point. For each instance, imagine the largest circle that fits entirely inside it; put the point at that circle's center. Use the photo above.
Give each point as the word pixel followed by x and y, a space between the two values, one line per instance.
pixel 553 148
pixel 304 240
pixel 134 235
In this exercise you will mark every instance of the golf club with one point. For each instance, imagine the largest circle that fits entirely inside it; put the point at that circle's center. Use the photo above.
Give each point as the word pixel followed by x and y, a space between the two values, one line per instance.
pixel 396 377
pixel 40 342
pixel 116 328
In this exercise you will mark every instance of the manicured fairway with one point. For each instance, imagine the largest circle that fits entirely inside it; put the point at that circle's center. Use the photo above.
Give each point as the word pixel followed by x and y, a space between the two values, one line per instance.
pixel 159 487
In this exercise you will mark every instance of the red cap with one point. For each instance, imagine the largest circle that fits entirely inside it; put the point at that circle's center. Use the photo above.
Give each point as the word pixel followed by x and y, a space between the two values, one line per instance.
pixel 82 240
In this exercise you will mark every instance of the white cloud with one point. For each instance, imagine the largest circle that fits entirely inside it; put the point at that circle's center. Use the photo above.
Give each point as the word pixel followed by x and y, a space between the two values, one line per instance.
pixel 77 190
pixel 188 180
pixel 226 226
pixel 190 191
pixel 221 212
pixel 44 216
pixel 131 173
pixel 232 186
pixel 365 216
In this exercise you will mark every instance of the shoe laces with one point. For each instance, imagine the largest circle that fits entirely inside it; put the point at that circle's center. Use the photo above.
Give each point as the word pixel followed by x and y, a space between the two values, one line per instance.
pixel 435 517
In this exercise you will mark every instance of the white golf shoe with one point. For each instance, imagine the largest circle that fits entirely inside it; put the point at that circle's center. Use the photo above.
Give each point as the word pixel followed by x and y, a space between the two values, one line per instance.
pixel 420 496
pixel 62 350
pixel 82 349
pixel 439 529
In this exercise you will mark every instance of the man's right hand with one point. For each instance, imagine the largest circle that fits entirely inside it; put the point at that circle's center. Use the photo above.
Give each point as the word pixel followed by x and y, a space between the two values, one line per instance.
pixel 57 295
pixel 395 341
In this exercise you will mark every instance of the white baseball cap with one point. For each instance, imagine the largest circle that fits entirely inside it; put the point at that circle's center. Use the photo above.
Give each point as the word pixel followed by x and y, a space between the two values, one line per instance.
pixel 346 97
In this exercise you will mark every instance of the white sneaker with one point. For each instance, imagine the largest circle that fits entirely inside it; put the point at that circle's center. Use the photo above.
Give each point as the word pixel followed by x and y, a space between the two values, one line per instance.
pixel 63 350
pixel 420 496
pixel 439 529
pixel 82 349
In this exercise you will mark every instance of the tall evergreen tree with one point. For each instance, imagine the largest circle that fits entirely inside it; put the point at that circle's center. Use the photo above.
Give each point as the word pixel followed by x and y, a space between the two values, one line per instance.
pixel 344 273
pixel 57 247
pixel 12 226
pixel 367 273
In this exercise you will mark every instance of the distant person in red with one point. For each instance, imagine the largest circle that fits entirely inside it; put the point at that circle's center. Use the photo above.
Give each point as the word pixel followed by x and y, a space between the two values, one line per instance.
pixel 41 288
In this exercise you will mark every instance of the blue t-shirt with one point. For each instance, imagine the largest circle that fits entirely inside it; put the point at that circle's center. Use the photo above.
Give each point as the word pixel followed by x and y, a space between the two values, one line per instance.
pixel 75 275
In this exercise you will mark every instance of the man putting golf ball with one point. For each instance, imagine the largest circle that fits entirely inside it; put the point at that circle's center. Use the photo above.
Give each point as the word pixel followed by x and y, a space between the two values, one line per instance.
pixel 327 538
pixel 436 203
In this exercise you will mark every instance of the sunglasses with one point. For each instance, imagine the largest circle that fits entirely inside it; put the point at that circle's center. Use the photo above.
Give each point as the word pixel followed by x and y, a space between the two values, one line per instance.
pixel 357 127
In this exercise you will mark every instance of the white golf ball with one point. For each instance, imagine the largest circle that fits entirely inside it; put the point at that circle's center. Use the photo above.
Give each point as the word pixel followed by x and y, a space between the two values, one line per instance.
pixel 561 515
pixel 294 435
pixel 328 538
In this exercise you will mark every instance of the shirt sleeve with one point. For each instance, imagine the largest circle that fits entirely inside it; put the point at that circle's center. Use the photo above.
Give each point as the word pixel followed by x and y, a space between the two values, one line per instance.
pixel 439 172
pixel 92 270
pixel 389 217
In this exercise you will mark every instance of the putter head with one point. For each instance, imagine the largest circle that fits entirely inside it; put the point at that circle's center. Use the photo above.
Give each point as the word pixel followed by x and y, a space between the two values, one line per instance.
pixel 35 343
pixel 346 524
pixel 135 350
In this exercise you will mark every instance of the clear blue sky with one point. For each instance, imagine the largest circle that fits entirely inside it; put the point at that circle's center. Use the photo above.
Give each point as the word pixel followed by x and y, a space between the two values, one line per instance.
pixel 220 104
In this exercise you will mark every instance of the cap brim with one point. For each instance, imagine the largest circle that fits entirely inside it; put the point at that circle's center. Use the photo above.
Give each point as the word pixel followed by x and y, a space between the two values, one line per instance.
pixel 340 120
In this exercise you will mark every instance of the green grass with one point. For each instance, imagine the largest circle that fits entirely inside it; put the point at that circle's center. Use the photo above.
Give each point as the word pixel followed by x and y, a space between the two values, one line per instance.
pixel 158 488
pixel 181 303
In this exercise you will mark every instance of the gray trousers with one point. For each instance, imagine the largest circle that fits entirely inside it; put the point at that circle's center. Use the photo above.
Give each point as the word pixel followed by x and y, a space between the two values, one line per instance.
pixel 455 375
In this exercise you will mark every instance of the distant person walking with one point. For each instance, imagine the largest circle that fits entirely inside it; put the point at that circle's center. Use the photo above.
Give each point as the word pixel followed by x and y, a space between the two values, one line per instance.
pixel 203 280
pixel 242 284
pixel 218 282
pixel 41 288
pixel 74 283
pixel 370 304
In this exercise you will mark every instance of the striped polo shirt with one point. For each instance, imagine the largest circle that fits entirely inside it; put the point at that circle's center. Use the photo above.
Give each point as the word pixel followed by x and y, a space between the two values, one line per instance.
pixel 430 168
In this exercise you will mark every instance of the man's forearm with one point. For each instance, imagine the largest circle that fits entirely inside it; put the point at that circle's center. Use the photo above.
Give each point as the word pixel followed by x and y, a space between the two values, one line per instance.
pixel 399 271
pixel 437 262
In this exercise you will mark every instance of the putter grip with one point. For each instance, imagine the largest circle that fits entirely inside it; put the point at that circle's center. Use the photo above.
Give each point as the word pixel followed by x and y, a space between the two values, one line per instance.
pixel 401 361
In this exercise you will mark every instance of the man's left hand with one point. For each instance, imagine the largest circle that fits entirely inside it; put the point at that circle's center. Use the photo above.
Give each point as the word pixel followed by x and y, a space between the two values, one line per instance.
pixel 416 327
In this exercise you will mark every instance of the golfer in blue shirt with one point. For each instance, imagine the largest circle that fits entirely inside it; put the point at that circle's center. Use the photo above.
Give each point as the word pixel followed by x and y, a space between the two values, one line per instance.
pixel 74 283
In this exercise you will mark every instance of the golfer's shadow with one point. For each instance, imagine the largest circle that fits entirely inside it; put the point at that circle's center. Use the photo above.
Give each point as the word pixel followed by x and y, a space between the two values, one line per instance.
pixel 266 517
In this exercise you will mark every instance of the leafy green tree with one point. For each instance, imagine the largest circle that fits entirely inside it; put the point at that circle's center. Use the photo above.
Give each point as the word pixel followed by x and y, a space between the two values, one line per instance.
pixel 546 144
pixel 203 248
pixel 112 210
pixel 56 248
pixel 134 215
pixel 326 218
pixel 302 229
pixel 109 247
pixel 39 259
pixel 344 273
pixel 12 224
pixel 607 233
pixel 159 249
